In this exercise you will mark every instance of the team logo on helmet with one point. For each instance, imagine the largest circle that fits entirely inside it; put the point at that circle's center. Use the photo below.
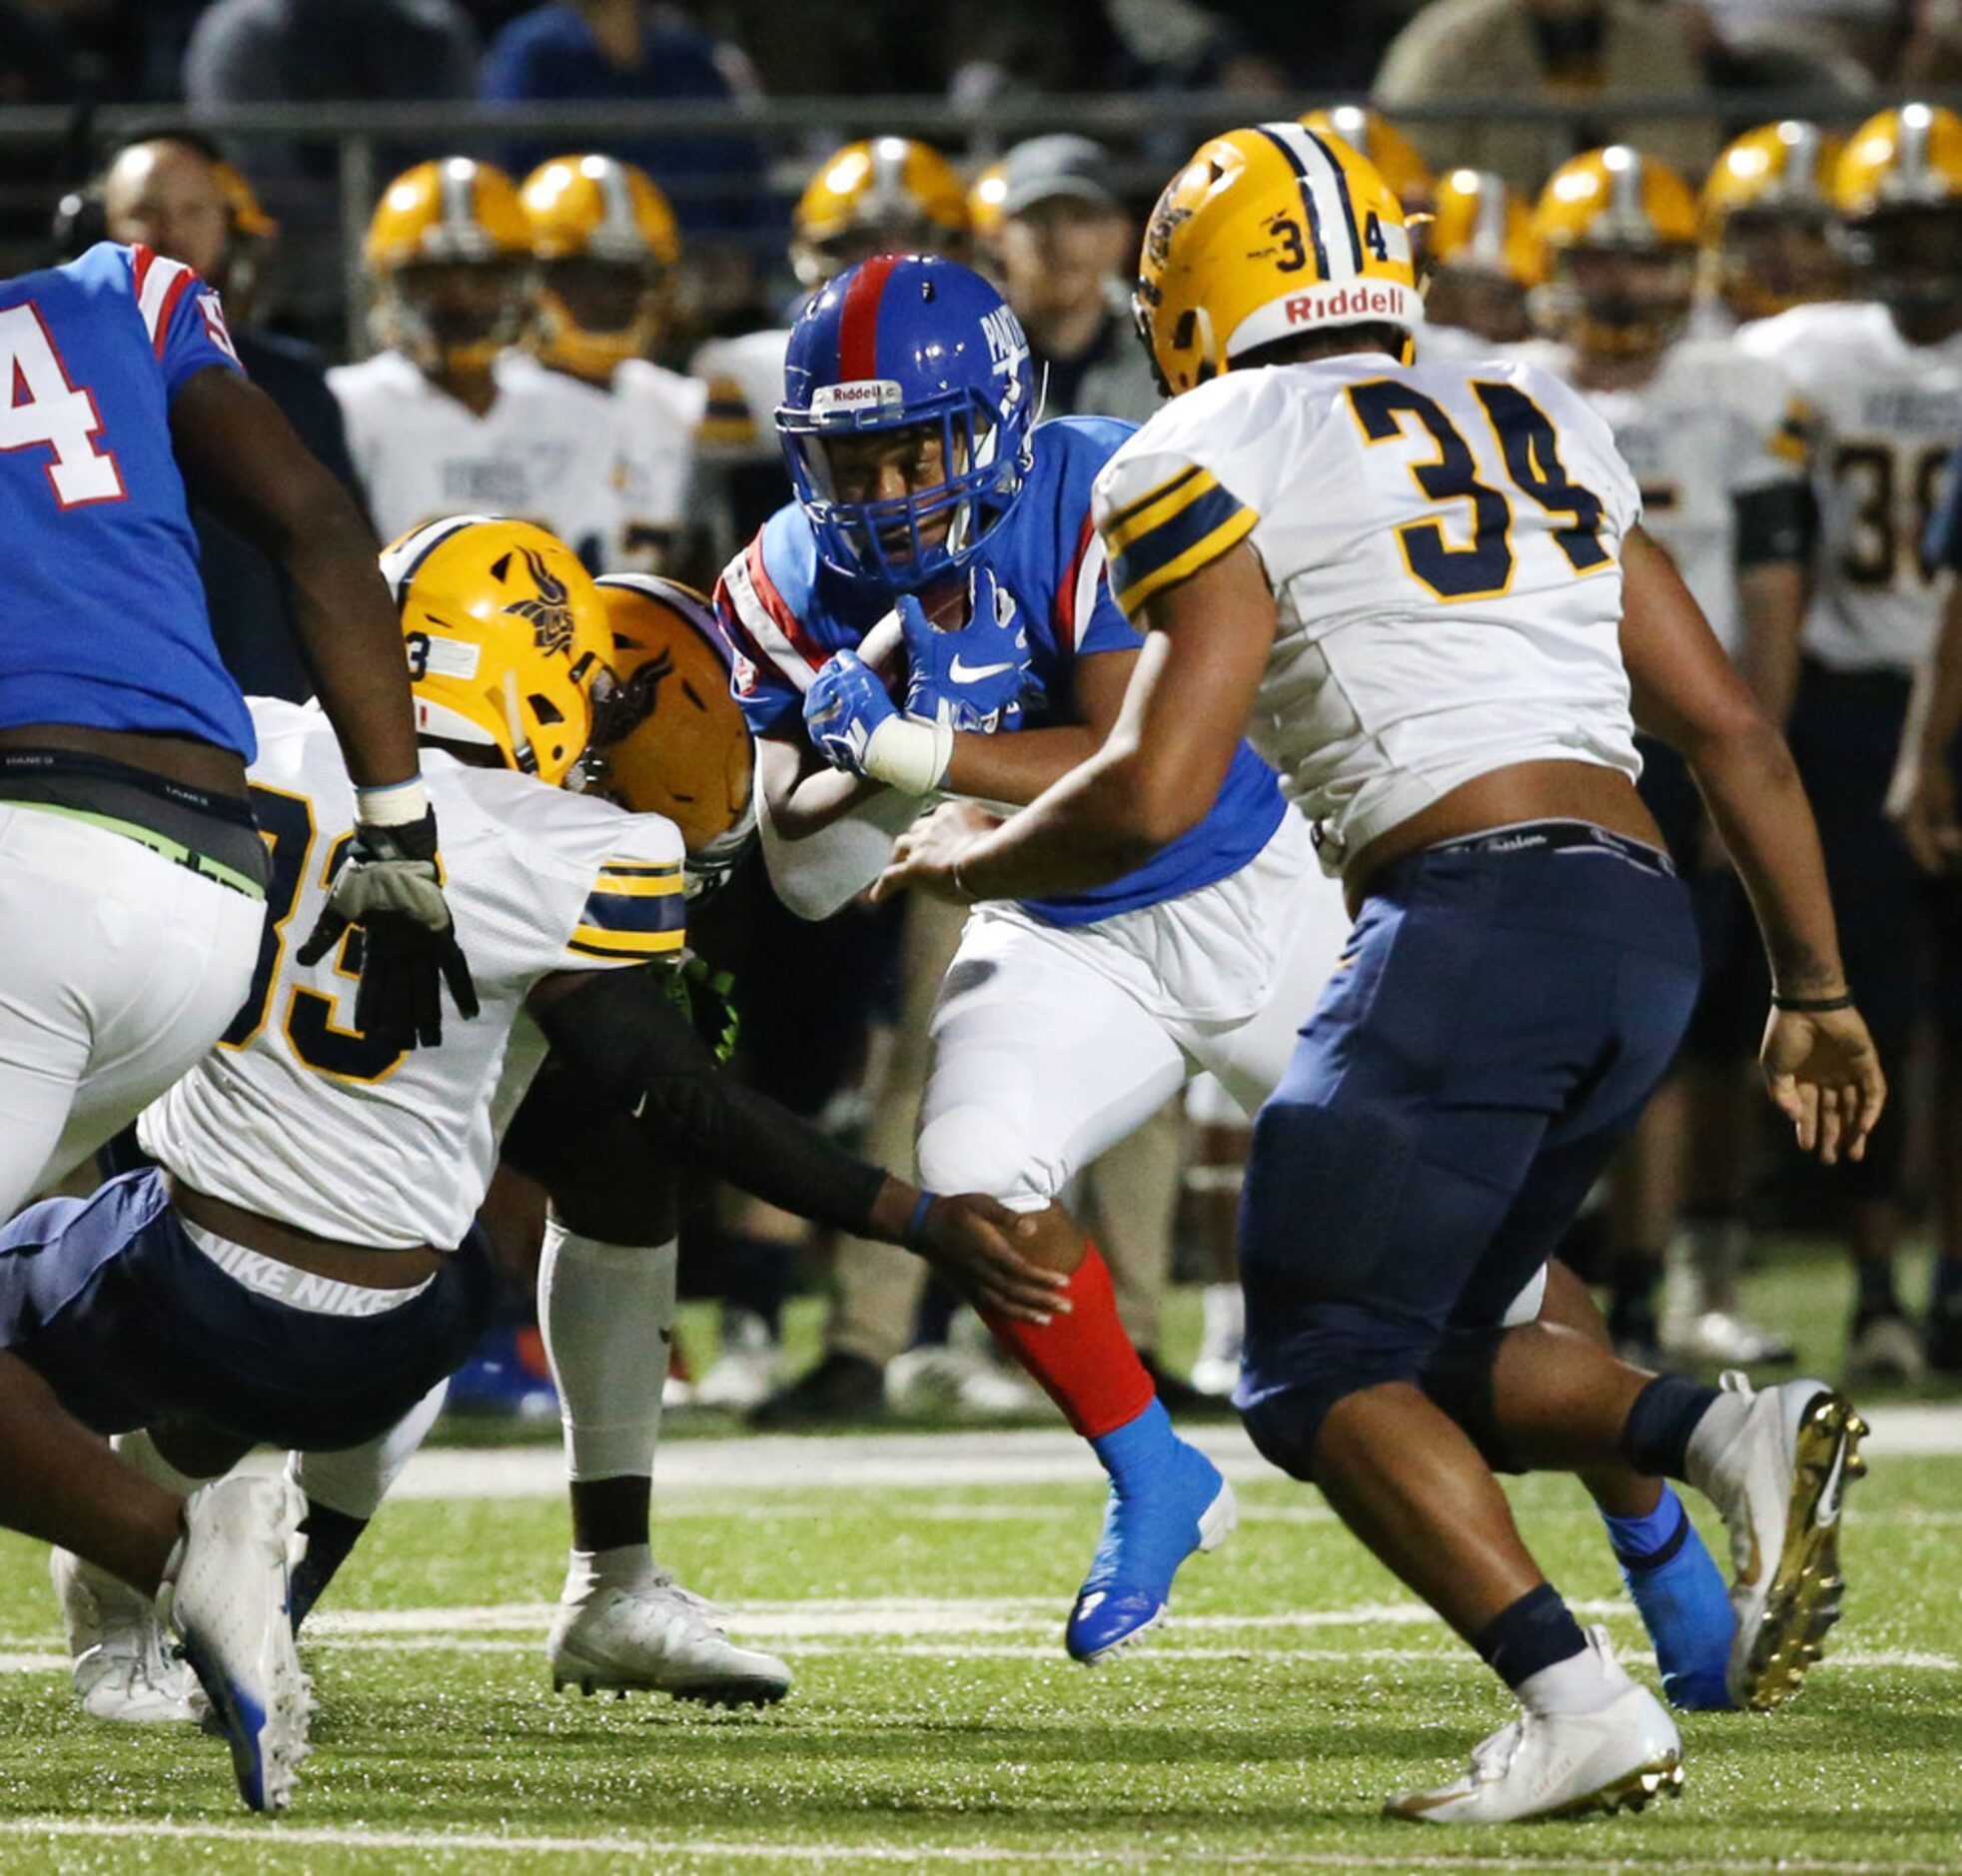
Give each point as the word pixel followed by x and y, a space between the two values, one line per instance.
pixel 550 615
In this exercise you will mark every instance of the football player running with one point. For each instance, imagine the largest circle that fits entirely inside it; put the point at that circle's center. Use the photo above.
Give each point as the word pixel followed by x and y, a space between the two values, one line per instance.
pixel 448 417
pixel 1717 443
pixel 1883 375
pixel 244 1292
pixel 607 244
pixel 1766 225
pixel 1063 1022
pixel 1292 531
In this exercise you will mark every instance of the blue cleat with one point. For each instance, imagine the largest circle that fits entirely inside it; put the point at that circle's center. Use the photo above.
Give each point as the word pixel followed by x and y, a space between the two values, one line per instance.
pixel 1684 1604
pixel 1154 1522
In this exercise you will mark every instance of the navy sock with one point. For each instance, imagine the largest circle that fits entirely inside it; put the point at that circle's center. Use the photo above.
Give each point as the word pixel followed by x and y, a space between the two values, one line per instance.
pixel 1656 1437
pixel 330 1534
pixel 1876 1280
pixel 1532 1633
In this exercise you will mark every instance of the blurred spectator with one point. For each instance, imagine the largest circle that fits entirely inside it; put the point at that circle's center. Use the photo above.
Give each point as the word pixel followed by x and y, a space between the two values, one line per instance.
pixel 1934 52
pixel 173 194
pixel 1582 53
pixel 1064 244
pixel 1850 43
pixel 305 50
pixel 625 52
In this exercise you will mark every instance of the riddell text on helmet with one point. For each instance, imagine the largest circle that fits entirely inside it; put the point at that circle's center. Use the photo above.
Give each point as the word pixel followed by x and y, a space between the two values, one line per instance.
pixel 1308 309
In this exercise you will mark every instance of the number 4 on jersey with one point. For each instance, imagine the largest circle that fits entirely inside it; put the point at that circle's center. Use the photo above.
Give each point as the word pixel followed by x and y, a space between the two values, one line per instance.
pixel 43 408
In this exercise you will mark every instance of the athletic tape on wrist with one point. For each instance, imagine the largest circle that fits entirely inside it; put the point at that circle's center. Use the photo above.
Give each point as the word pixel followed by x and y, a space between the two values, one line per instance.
pixel 909 753
pixel 392 804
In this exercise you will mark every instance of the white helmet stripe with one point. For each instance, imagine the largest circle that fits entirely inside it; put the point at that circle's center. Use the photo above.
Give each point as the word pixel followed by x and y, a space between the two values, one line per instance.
pixel 617 219
pixel 1916 120
pixel 1337 241
pixel 459 221
pixel 1488 228
pixel 401 560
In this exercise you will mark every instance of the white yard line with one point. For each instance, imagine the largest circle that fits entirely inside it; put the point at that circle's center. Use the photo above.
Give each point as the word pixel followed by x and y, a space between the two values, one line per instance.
pixel 858 1462
pixel 285 1838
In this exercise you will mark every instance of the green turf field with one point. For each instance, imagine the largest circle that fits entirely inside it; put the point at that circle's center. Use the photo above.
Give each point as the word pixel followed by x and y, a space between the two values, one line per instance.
pixel 936 1722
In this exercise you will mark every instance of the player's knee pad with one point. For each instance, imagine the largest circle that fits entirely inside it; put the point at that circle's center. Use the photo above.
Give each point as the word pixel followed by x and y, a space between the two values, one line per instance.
pixel 969 1148
pixel 1458 1381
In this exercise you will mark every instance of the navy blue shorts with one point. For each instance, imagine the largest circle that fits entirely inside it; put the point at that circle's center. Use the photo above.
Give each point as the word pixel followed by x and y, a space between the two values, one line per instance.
pixel 1504 1009
pixel 132 1324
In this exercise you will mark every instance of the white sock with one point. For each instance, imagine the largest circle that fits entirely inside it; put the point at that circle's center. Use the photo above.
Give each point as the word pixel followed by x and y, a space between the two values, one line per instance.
pixel 607 1313
pixel 355 1480
pixel 620 1568
pixel 1582 1683
pixel 1225 1312
pixel 138 1452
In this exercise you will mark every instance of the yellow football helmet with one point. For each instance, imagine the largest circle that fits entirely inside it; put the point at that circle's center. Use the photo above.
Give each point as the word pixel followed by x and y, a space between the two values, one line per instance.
pixel 888 195
pixel 670 739
pixel 1616 232
pixel 604 239
pixel 450 248
pixel 1766 220
pixel 1898 191
pixel 1396 158
pixel 985 196
pixel 1484 258
pixel 1265 234
pixel 506 639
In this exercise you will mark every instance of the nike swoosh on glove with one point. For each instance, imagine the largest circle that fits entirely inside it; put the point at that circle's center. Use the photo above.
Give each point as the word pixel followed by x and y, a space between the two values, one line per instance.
pixel 976 676
pixel 391 887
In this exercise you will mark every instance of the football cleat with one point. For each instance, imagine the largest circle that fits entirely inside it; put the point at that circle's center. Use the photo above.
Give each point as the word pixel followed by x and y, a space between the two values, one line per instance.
pixel 1778 1471
pixel 742 1373
pixel 1559 1765
pixel 1885 1346
pixel 227 1602
pixel 1723 1336
pixel 952 1381
pixel 1146 1535
pixel 1216 1367
pixel 657 1637
pixel 125 1666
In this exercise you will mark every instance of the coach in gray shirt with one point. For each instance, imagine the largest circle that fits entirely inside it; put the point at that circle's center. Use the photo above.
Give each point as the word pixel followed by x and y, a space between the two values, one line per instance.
pixel 1066 250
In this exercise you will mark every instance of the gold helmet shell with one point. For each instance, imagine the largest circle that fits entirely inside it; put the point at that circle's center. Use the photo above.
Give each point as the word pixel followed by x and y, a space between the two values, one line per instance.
pixel 1910 158
pixel 1396 158
pixel 1614 198
pixel 1481 222
pixel 506 638
pixel 895 192
pixel 1266 233
pixel 452 209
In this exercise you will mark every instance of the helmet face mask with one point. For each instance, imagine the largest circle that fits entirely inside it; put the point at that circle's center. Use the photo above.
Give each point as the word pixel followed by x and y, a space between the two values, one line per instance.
pixel 1624 299
pixel 905 423
pixel 456 315
pixel 1485 301
pixel 594 314
pixel 1773 258
pixel 1910 260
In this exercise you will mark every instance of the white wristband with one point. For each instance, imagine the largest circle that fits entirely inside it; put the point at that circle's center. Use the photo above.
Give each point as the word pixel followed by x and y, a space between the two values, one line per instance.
pixel 909 753
pixel 392 804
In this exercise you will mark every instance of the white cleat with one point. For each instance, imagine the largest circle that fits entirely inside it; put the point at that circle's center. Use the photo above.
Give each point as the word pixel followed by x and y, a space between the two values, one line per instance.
pixel 956 1380
pixel 744 1372
pixel 1721 1336
pixel 227 1602
pixel 1887 1349
pixel 1560 1764
pixel 1778 1470
pixel 125 1666
pixel 657 1637
pixel 1216 1367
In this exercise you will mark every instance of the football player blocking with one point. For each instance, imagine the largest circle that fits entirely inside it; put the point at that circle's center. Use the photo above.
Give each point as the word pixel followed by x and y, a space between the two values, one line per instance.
pixel 1522 962
pixel 1065 1021
pixel 137 879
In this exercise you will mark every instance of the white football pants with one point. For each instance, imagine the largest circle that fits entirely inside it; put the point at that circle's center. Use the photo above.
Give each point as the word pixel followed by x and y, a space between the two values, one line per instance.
pixel 118 970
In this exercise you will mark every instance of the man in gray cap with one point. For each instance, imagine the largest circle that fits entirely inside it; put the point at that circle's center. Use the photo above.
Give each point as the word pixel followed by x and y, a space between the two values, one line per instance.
pixel 1065 251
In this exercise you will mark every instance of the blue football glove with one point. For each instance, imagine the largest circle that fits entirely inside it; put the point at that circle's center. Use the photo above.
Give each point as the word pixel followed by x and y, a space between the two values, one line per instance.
pixel 855 726
pixel 977 676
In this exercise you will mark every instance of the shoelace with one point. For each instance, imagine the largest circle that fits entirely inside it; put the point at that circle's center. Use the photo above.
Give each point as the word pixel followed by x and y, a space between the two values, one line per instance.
pixel 1492 1759
pixel 699 1606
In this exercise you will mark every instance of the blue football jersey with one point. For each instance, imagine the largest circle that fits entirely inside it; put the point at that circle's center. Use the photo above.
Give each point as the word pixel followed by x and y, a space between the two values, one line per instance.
pixel 105 622
pixel 787 613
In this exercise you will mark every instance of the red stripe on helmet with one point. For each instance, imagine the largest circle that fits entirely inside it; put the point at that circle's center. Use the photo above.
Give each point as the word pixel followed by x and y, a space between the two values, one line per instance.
pixel 858 324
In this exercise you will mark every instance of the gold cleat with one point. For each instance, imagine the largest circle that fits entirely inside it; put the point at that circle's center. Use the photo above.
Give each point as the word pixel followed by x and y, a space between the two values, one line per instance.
pixel 1803 1600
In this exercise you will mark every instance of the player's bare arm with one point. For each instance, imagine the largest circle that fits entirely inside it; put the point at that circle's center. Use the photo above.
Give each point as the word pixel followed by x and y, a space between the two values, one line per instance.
pixel 1820 1063
pixel 1156 773
pixel 621 1030
pixel 247 462
pixel 1771 607
pixel 1921 800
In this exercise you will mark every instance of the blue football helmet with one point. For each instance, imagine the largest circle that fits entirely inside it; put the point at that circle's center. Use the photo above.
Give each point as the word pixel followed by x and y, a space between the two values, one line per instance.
pixel 902 341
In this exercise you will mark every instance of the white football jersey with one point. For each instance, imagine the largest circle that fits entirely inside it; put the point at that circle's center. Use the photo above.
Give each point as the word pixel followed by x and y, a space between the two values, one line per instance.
pixel 1712 424
pixel 1887 417
pixel 1443 545
pixel 661 412
pixel 296 1116
pixel 549 450
pixel 743 379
